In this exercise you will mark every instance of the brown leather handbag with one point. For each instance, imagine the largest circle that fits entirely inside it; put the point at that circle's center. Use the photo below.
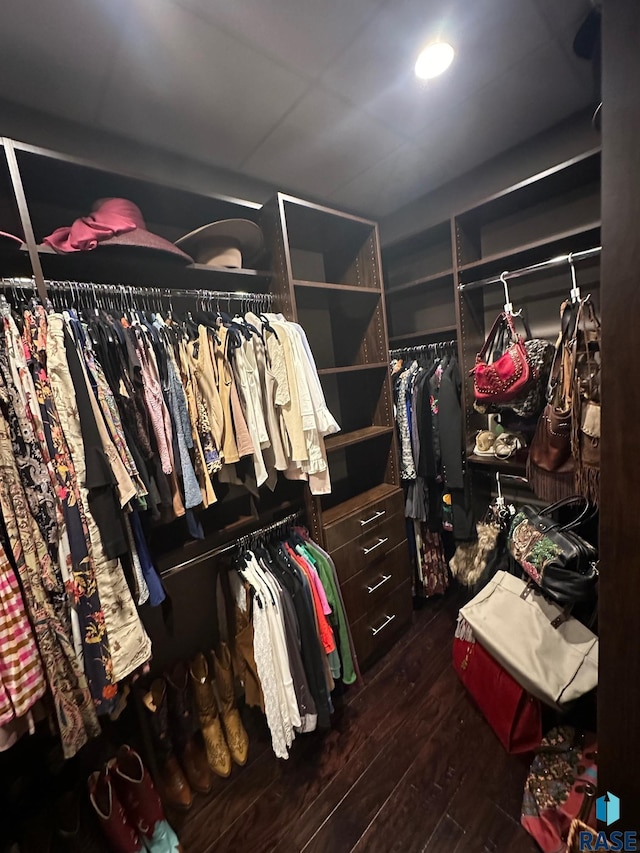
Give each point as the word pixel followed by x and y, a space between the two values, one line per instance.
pixel 551 445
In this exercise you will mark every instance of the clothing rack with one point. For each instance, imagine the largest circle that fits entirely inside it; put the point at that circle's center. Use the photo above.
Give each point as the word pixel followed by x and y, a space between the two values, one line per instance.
pixel 129 292
pixel 533 268
pixel 241 542
pixel 432 347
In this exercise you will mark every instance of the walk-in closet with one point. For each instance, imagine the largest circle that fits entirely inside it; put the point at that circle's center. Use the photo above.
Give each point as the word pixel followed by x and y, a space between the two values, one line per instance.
pixel 317 426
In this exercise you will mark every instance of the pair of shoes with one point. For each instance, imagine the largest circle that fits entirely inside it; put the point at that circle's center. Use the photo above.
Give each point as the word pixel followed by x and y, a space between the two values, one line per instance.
pixel 128 807
pixel 178 748
pixel 502 446
pixel 224 734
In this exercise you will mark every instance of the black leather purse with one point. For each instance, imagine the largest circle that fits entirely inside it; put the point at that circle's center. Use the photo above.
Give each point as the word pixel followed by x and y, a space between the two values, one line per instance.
pixel 555 557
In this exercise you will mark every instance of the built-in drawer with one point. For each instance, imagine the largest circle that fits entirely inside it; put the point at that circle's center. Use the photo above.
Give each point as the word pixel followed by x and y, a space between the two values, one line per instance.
pixel 369 548
pixel 364 592
pixel 363 521
pixel 377 631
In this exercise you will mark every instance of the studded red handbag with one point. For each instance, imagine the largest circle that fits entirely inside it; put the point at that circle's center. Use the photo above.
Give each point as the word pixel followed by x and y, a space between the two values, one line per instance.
pixel 507 377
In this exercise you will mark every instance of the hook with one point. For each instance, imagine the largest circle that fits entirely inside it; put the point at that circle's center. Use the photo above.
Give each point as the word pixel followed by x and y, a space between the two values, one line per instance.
pixel 508 305
pixel 500 498
pixel 575 290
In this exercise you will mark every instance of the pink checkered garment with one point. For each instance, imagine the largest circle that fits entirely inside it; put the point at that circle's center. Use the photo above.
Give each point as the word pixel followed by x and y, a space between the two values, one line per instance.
pixel 22 679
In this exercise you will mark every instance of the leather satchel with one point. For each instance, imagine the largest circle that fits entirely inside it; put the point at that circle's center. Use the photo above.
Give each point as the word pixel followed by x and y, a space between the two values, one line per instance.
pixel 514 716
pixel 555 557
pixel 507 377
pixel 550 654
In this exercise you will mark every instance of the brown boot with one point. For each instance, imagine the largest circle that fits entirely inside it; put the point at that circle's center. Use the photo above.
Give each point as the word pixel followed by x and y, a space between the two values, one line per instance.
pixel 172 784
pixel 217 749
pixel 187 740
pixel 235 732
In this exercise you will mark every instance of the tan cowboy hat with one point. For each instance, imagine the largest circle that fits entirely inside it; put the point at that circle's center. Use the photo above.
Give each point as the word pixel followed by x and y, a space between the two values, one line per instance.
pixel 225 243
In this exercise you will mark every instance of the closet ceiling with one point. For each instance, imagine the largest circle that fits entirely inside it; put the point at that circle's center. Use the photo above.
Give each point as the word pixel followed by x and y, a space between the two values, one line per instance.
pixel 317 96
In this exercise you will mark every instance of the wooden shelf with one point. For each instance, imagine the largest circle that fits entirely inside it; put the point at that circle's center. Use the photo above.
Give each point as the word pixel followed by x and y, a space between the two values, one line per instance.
pixel 146 264
pixel 425 333
pixel 335 513
pixel 329 371
pixel 346 439
pixel 547 242
pixel 416 282
pixel 323 285
pixel 517 466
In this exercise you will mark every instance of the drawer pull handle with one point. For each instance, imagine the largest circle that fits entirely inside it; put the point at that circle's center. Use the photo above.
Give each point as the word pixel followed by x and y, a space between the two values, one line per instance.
pixel 374 517
pixel 377 545
pixel 388 619
pixel 385 578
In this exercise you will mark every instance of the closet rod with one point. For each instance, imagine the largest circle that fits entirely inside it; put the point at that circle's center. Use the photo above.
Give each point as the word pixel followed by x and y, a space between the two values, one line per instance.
pixel 421 347
pixel 129 290
pixel 237 543
pixel 552 262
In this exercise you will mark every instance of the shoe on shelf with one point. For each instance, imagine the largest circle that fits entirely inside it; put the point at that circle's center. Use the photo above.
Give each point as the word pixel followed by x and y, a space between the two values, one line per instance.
pixel 121 834
pixel 508 443
pixel 485 441
pixel 185 730
pixel 218 753
pixel 141 802
pixel 174 788
pixel 234 730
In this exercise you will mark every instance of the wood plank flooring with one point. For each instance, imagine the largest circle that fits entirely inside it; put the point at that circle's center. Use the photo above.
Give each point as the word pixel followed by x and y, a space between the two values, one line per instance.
pixel 410 765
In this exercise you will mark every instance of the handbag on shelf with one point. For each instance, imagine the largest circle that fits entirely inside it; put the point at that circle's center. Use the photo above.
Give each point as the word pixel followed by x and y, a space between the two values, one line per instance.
pixel 554 556
pixel 548 652
pixel 514 716
pixel 508 376
pixel 560 791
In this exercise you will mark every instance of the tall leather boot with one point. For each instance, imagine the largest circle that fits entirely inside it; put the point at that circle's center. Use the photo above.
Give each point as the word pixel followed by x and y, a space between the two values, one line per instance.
pixel 217 750
pixel 235 732
pixel 173 786
pixel 141 802
pixel 187 739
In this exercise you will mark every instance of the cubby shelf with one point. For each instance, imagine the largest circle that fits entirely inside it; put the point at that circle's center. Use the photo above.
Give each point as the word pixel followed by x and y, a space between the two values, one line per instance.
pixel 549 243
pixel 324 285
pixel 357 436
pixel 517 466
pixel 425 333
pixel 416 282
pixel 330 371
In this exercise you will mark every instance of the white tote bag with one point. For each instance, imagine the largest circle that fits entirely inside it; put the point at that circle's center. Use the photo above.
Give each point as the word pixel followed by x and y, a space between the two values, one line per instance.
pixel 553 657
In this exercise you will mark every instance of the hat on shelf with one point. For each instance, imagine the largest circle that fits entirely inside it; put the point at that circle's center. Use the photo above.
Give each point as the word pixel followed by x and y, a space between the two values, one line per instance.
pixel 112 222
pixel 225 243
pixel 9 242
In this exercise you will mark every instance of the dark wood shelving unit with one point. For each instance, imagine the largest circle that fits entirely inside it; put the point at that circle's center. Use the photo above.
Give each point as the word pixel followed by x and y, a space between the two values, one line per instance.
pixel 516 466
pixel 346 439
pixel 352 368
pixel 550 245
pixel 328 277
pixel 438 332
pixel 324 285
pixel 417 282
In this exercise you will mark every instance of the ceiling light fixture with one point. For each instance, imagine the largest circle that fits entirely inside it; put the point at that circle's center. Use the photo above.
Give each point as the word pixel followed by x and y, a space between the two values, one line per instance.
pixel 434 59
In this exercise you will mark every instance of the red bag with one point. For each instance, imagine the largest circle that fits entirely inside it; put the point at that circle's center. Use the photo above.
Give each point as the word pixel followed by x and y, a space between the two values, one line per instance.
pixel 561 788
pixel 508 376
pixel 512 713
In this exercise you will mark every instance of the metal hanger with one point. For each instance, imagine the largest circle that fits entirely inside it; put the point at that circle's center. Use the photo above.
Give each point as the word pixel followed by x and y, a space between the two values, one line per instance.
pixel 575 290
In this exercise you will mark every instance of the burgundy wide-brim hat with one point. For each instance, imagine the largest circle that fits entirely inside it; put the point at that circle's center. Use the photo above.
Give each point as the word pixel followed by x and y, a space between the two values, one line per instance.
pixel 112 222
pixel 9 242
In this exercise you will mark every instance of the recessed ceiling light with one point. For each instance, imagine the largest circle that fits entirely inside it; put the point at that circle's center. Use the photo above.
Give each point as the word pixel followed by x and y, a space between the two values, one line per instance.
pixel 434 60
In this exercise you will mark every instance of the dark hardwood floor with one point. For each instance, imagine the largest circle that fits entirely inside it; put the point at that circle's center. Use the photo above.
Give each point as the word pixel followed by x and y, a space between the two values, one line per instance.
pixel 410 765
